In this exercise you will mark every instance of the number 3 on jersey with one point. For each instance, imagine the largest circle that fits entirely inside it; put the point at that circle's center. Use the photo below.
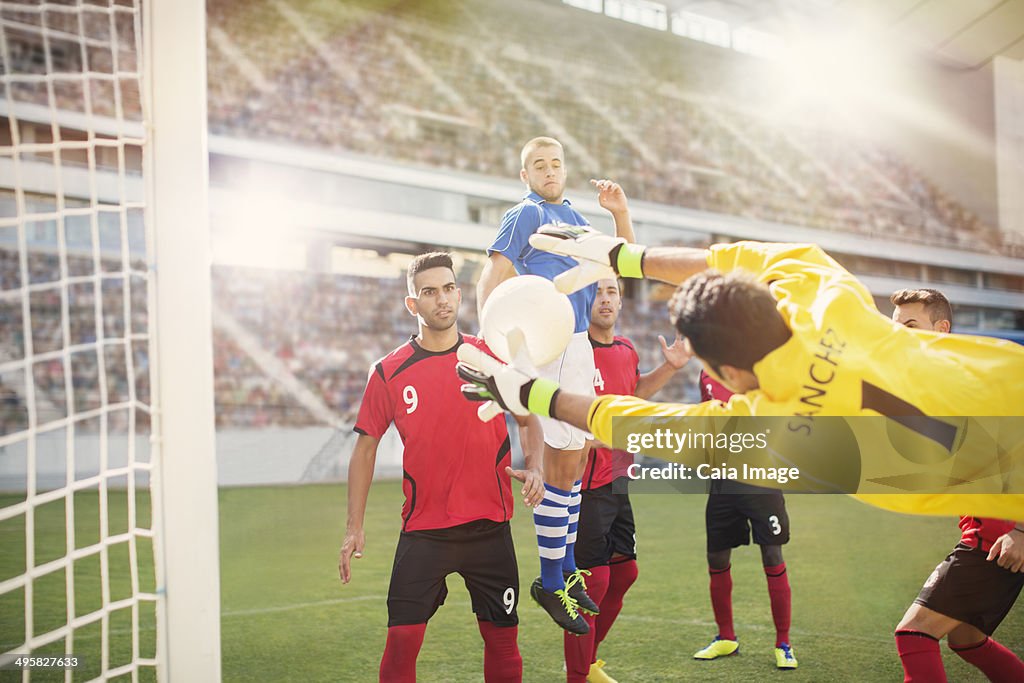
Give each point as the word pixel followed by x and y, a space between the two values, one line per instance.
pixel 598 380
pixel 412 400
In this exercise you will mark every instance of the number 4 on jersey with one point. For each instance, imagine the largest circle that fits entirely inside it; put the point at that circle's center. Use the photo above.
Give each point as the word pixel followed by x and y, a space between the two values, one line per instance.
pixel 598 380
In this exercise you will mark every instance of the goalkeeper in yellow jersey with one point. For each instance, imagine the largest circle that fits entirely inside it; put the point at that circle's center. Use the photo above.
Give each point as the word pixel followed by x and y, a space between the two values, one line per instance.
pixel 794 335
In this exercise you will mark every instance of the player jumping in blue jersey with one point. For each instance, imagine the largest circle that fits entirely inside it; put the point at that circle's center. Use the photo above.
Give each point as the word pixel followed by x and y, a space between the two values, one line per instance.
pixel 560 588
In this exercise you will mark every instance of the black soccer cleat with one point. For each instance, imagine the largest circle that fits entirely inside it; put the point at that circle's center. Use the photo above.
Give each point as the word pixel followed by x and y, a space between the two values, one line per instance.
pixel 576 587
pixel 560 607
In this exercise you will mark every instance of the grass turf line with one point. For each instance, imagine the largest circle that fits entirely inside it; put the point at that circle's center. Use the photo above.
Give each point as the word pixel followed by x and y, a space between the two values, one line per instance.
pixel 286 616
pixel 853 570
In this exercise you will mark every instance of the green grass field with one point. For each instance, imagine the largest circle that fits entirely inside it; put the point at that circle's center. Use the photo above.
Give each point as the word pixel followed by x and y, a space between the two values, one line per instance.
pixel 287 617
pixel 853 569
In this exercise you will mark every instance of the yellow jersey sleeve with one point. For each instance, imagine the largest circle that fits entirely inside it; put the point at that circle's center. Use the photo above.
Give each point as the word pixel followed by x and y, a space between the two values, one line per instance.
pixel 797 273
pixel 999 506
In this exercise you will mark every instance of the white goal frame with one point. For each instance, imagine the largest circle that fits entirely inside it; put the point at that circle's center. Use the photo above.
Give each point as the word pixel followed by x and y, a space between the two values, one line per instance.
pixel 185 471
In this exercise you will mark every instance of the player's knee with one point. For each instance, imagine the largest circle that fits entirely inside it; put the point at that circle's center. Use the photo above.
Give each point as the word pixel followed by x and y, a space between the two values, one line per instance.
pixel 912 621
pixel 771 555
pixel 406 636
pixel 625 570
pixel 499 638
pixel 719 559
pixel 965 636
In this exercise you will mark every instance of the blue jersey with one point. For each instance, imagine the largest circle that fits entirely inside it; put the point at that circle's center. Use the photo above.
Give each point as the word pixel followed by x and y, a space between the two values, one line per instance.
pixel 513 242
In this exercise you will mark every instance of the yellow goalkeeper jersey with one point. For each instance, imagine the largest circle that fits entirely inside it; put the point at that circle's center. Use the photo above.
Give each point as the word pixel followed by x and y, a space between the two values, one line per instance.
pixel 847 359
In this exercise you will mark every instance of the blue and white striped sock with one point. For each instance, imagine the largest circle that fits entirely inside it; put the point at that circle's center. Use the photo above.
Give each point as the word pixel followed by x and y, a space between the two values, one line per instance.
pixel 569 564
pixel 551 520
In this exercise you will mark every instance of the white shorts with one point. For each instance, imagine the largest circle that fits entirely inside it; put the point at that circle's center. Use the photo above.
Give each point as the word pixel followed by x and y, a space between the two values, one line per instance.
pixel 574 372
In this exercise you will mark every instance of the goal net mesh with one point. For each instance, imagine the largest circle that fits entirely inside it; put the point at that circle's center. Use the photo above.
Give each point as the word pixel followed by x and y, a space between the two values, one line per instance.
pixel 76 517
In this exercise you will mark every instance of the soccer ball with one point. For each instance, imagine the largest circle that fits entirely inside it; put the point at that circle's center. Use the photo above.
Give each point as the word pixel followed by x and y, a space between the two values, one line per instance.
pixel 526 319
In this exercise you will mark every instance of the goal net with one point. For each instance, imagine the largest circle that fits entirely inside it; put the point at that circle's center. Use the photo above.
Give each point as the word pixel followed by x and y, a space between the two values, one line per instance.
pixel 83 499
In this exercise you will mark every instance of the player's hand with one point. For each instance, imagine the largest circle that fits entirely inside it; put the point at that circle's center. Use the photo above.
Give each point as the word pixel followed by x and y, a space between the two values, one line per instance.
pixel 488 379
pixel 533 485
pixel 1008 551
pixel 600 256
pixel 677 355
pixel 351 547
pixel 610 196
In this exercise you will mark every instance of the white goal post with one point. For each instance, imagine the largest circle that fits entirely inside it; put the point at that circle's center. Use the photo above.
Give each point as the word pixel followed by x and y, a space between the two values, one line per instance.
pixel 188 643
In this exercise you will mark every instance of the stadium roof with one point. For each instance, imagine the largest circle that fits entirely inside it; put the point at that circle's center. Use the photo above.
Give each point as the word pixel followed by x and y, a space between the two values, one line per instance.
pixel 965 34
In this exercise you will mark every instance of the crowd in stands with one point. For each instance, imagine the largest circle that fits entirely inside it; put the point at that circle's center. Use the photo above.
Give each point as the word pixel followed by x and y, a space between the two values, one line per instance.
pixel 64 316
pixel 92 57
pixel 270 326
pixel 457 86
pixel 447 85
pixel 675 121
pixel 343 326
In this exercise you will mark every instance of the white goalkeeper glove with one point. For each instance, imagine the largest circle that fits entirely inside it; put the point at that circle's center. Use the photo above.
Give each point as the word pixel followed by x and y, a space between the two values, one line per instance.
pixel 600 256
pixel 490 380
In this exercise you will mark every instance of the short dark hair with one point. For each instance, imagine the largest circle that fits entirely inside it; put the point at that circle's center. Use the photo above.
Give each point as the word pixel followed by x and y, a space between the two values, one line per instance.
pixel 536 143
pixel 935 302
pixel 730 319
pixel 432 259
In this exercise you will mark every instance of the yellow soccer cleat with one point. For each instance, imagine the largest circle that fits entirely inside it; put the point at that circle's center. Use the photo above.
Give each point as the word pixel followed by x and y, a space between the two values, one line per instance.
pixel 597 674
pixel 784 658
pixel 718 648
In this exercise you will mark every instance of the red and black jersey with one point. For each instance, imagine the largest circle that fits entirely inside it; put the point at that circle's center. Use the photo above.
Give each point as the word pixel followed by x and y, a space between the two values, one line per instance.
pixel 983 531
pixel 453 464
pixel 713 390
pixel 617 370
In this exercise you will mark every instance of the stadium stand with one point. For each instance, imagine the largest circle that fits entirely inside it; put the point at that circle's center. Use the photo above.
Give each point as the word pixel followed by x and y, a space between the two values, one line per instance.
pixel 45 309
pixel 446 87
pixel 439 85
pixel 429 87
pixel 345 324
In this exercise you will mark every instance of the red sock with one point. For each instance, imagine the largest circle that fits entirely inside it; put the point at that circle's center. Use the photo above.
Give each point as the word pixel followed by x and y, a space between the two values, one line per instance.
pixel 721 601
pixel 580 651
pixel 620 577
pixel 995 661
pixel 502 661
pixel 922 661
pixel 781 599
pixel 398 665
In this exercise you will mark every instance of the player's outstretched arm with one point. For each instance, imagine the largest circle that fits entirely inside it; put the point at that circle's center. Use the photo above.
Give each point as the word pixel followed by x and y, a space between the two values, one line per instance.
pixel 612 198
pixel 531 437
pixel 674 264
pixel 488 379
pixel 497 269
pixel 1008 549
pixel 360 474
pixel 676 356
pixel 602 256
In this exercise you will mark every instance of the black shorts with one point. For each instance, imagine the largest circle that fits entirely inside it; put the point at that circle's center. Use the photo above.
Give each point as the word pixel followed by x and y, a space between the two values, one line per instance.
pixel 606 527
pixel 969 588
pixel 730 516
pixel 480 551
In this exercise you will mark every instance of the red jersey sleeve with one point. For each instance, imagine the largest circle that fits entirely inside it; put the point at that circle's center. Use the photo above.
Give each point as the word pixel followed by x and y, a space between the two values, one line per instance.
pixel 479 343
pixel 376 411
pixel 983 531
pixel 711 390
